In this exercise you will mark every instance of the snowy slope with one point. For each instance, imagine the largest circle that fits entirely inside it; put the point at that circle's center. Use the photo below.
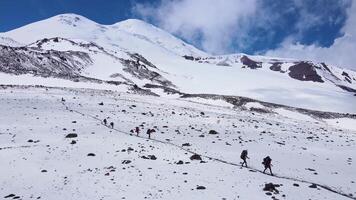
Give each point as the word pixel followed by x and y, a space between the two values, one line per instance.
pixel 38 161
pixel 85 72
pixel 9 42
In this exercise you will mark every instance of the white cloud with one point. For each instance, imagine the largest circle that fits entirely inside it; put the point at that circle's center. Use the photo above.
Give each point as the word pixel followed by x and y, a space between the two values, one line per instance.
pixel 228 25
pixel 214 23
pixel 341 53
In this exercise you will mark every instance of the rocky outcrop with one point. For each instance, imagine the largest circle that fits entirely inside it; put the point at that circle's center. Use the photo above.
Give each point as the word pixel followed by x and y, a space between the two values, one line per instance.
pixel 46 63
pixel 304 71
pixel 247 62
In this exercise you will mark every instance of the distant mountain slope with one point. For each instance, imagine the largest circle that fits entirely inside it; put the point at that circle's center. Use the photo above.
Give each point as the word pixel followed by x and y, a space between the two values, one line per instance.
pixel 133 52
pixel 63 58
pixel 130 34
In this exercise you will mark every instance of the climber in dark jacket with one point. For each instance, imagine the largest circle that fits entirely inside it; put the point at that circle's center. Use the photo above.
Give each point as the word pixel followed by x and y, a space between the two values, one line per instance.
pixel 244 157
pixel 112 124
pixel 105 122
pixel 137 130
pixel 267 164
pixel 149 132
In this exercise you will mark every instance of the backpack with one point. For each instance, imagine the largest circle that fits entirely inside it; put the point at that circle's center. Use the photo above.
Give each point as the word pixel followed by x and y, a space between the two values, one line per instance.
pixel 243 154
pixel 266 161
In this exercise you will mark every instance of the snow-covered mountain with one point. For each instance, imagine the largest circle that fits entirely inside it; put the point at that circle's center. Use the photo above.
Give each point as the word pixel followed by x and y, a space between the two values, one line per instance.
pixel 61 77
pixel 136 53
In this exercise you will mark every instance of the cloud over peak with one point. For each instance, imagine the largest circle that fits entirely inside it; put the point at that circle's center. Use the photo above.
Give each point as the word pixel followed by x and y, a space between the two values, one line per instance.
pixel 212 23
pixel 340 53
pixel 321 30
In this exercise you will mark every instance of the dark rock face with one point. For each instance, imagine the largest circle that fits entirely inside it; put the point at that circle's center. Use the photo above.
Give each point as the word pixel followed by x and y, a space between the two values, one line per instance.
pixel 347 77
pixel 348 89
pixel 304 71
pixel 250 63
pixel 29 60
pixel 70 64
pixel 139 67
pixel 326 67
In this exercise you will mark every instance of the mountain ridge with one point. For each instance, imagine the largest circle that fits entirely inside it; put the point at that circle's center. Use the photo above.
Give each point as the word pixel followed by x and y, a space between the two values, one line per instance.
pixel 139 53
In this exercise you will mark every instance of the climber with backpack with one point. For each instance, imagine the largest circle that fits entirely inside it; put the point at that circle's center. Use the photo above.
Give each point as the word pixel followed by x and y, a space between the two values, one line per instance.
pixel 267 164
pixel 244 157
pixel 149 132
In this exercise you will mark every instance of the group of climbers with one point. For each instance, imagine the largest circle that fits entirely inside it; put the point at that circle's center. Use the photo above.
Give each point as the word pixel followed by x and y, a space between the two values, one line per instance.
pixel 136 130
pixel 105 122
pixel 267 161
pixel 148 132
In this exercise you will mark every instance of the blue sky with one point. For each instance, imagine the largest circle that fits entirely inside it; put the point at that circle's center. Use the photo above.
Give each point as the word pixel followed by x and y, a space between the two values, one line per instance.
pixel 16 13
pixel 250 26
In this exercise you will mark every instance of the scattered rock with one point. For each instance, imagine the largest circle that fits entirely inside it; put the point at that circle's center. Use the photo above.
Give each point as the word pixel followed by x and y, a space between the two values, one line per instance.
pixel 213 132
pixel 9 196
pixel 91 154
pixel 186 145
pixel 201 187
pixel 270 187
pixel 72 135
pixel 152 157
pixel 180 162
pixel 195 157
pixel 126 162
pixel 313 186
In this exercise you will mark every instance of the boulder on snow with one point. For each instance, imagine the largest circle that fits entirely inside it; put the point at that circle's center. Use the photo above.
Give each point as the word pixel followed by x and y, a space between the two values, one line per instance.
pixel 213 132
pixel 195 157
pixel 180 162
pixel 186 145
pixel 199 187
pixel 126 162
pixel 313 186
pixel 10 196
pixel 72 135
pixel 270 187
pixel 151 157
